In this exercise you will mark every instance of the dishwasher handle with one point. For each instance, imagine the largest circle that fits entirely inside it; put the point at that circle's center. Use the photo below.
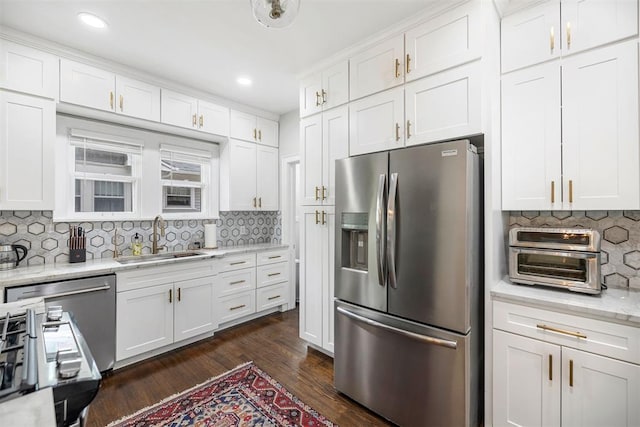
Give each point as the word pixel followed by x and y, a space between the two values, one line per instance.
pixel 31 294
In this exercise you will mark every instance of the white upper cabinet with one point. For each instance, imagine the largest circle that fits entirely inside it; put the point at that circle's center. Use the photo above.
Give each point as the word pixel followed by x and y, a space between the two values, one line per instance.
pixel 188 112
pixel 325 90
pixel 28 70
pixel 267 178
pixel 248 127
pixel 531 132
pixel 137 99
pixel 376 122
pixel 310 160
pixel 376 69
pixel 531 36
pixel 87 86
pixel 450 39
pixel 601 159
pixel 444 105
pixel 591 23
pixel 335 145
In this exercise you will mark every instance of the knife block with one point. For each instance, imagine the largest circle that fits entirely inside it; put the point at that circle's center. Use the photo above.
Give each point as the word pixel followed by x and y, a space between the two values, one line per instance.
pixel 77 255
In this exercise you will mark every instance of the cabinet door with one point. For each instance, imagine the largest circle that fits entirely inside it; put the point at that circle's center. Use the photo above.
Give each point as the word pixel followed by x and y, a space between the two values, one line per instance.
pixel 137 99
pixel 335 145
pixel 243 126
pixel 531 36
pixel 600 155
pixel 335 85
pixel 591 23
pixel 213 118
pixel 194 308
pixel 450 39
pixel 531 145
pixel 526 381
pixel 241 177
pixel 267 132
pixel 144 320
pixel 28 70
pixel 599 391
pixel 310 95
pixel 87 86
pixel 27 141
pixel 445 105
pixel 179 110
pixel 328 254
pixel 376 122
pixel 311 159
pixel 267 184
pixel 313 242
pixel 377 69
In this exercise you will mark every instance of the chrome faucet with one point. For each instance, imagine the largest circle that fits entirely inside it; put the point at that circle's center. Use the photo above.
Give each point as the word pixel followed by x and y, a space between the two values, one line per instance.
pixel 158 219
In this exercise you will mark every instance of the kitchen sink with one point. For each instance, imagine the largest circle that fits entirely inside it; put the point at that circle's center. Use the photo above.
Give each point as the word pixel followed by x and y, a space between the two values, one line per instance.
pixel 156 257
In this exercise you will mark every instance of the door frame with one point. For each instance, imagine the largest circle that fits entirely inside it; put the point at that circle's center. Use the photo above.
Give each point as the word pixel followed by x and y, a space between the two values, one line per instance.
pixel 288 209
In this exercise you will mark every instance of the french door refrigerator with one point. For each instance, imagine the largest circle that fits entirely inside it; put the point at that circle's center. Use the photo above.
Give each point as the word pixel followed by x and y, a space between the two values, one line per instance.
pixel 408 336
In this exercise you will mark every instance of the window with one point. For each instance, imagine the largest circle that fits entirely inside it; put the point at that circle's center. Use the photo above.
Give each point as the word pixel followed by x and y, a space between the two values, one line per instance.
pixel 184 174
pixel 105 174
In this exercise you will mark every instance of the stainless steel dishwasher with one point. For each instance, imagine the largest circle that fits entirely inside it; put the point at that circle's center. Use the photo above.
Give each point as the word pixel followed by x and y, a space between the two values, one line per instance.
pixel 92 300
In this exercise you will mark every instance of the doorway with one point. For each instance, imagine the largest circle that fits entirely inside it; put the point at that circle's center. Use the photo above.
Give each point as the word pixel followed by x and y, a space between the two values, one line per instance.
pixel 290 191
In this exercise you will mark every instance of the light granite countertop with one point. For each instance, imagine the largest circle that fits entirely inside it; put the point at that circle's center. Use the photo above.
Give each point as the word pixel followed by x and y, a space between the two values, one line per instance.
pixel 611 304
pixel 63 271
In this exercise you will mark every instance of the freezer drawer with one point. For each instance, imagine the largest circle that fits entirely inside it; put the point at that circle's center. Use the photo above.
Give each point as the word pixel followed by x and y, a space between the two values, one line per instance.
pixel 409 373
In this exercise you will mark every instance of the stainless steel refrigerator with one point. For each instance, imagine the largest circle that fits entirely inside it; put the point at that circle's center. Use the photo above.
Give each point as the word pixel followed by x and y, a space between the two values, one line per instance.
pixel 408 333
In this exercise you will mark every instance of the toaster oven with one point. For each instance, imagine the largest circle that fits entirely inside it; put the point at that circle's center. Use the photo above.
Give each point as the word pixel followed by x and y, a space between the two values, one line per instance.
pixel 560 257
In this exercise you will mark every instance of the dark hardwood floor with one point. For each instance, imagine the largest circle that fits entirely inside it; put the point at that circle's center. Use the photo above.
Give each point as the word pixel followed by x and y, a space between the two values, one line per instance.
pixel 271 342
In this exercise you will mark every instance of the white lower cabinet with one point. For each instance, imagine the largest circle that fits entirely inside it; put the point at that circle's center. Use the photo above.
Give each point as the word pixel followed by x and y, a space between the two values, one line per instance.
pixel 194 308
pixel 317 228
pixel 551 377
pixel 237 305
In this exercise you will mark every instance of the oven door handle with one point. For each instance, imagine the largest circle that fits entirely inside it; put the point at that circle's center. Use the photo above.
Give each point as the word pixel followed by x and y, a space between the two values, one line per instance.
pixel 65 294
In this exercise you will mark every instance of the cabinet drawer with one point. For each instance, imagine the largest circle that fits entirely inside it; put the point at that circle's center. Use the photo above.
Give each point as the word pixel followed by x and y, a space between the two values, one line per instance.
pixel 597 336
pixel 272 274
pixel 237 262
pixel 272 296
pixel 236 306
pixel 232 282
pixel 270 257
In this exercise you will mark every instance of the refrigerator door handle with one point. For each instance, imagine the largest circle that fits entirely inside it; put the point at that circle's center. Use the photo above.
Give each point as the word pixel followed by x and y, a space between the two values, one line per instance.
pixel 391 230
pixel 417 337
pixel 380 244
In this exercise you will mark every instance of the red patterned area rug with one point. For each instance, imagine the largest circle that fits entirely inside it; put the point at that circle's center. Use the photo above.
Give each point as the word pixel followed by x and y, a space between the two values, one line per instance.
pixel 244 396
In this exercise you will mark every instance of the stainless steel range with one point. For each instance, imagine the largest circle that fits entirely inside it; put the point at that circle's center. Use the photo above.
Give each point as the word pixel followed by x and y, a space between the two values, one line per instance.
pixel 47 350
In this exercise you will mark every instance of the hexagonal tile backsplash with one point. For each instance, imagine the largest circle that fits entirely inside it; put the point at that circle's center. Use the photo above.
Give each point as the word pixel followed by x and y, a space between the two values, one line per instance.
pixel 620 233
pixel 47 241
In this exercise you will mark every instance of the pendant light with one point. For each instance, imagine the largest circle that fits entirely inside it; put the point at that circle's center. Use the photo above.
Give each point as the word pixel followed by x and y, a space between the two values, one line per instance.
pixel 275 13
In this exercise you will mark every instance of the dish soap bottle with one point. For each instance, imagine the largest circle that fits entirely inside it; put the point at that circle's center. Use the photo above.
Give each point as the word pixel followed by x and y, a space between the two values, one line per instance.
pixel 136 247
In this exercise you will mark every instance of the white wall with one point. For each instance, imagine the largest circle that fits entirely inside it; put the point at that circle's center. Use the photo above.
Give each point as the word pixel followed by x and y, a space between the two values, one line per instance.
pixel 290 134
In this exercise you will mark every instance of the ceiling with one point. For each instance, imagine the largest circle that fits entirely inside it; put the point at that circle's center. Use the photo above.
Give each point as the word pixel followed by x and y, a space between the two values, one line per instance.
pixel 207 44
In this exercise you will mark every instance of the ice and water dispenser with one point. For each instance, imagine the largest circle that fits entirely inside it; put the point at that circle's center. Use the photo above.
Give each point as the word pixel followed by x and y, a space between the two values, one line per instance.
pixel 355 241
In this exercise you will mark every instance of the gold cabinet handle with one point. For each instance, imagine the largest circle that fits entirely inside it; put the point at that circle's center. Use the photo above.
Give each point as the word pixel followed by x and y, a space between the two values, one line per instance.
pixel 318 103
pixel 255 203
pixel 397 73
pixel 317 191
pixel 552 39
pixel 324 193
pixel 170 296
pixel 259 202
pixel 324 217
pixel 274 257
pixel 237 307
pixel 238 262
pixel 570 373
pixel 553 191
pixel 237 282
pixel 561 331
pixel 179 294
pixel 111 100
pixel 397 132
pixel 255 133
pixel 201 120
pixel 570 191
pixel 568 35
pixel 121 102
pixel 408 129
pixel 317 217
pixel 408 62
pixel 324 96
pixel 259 134
pixel 272 298
pixel 550 367
pixel 194 119
pixel 273 274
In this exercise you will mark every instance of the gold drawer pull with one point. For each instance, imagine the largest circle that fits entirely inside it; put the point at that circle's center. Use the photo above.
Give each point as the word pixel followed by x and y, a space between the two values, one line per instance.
pixel 561 331
pixel 237 307
pixel 570 191
pixel 272 298
pixel 238 263
pixel 274 257
pixel 237 282
pixel 553 191
pixel 273 274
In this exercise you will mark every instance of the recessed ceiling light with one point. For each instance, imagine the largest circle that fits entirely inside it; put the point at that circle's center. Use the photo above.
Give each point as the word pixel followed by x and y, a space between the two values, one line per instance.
pixel 244 81
pixel 92 20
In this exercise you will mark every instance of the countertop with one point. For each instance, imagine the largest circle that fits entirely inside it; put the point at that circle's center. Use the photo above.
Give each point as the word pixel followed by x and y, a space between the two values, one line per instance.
pixel 611 304
pixel 62 271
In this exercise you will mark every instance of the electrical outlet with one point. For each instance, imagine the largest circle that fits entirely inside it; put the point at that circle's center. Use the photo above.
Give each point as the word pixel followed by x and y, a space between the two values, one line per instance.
pixel 243 230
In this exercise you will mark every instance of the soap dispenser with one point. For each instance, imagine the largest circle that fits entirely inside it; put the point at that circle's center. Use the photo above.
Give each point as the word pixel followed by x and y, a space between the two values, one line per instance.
pixel 136 248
